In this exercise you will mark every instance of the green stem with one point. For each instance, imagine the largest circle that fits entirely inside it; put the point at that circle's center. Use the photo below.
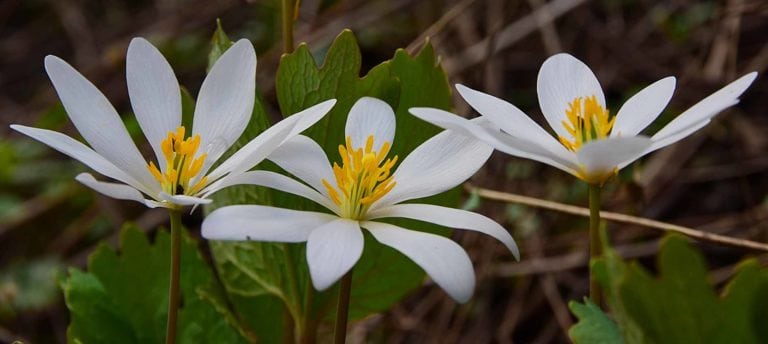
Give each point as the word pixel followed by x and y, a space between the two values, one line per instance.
pixel 342 309
pixel 287 11
pixel 173 289
pixel 595 246
pixel 297 323
pixel 309 334
pixel 288 327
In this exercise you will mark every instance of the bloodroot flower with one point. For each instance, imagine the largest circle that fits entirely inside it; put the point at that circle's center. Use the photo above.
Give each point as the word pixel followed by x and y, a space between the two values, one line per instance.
pixel 184 158
pixel 361 189
pixel 589 143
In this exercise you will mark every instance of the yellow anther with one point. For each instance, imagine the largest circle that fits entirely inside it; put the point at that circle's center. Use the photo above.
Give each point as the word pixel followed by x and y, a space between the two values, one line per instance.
pixel 155 172
pixel 586 120
pixel 181 165
pixel 363 177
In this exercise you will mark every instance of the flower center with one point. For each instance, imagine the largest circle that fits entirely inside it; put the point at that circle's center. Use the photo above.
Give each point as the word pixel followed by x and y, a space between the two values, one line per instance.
pixel 181 166
pixel 586 120
pixel 363 178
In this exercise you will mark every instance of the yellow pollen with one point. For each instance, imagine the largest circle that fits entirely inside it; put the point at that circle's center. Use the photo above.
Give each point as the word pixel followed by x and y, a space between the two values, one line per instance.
pixel 586 120
pixel 181 165
pixel 363 177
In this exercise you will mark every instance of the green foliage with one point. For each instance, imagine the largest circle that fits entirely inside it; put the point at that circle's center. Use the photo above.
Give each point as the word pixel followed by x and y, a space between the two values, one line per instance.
pixel 220 42
pixel 680 306
pixel 301 84
pixel 594 326
pixel 123 297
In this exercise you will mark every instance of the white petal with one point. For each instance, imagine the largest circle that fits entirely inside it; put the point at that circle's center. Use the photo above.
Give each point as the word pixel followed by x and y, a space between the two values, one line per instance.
pixel 452 218
pixel 184 200
pixel 275 181
pixel 643 108
pixel 114 190
pixel 154 93
pixel 490 134
pixel 98 122
pixel 509 118
pixel 305 159
pixel 600 158
pixel 225 102
pixel 442 259
pixel 261 146
pixel 332 250
pixel 562 78
pixel 442 162
pixel 670 139
pixel 311 115
pixel 706 108
pixel 262 223
pixel 370 116
pixel 80 152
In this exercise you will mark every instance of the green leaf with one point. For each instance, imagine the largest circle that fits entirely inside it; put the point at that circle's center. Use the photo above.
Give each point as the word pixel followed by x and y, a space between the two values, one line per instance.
pixel 680 305
pixel 220 42
pixel 594 326
pixel 123 297
pixel 301 84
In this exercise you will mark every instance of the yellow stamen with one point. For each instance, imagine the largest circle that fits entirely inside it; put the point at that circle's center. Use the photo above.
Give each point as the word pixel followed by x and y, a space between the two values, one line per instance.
pixel 586 120
pixel 363 177
pixel 181 165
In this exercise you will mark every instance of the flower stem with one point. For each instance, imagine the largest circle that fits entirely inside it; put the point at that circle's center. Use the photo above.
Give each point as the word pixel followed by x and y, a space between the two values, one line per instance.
pixel 342 309
pixel 287 11
pixel 173 289
pixel 309 333
pixel 595 246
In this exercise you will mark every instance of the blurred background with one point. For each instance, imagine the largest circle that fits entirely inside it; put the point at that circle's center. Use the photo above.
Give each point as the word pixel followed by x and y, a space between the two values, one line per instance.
pixel 714 181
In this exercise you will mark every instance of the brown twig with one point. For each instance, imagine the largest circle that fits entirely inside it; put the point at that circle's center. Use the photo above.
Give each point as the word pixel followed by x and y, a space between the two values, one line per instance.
pixel 439 25
pixel 611 216
pixel 511 34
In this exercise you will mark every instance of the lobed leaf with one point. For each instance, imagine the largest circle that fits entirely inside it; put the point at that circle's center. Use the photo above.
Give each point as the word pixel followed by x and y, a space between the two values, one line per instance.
pixel 594 326
pixel 680 305
pixel 123 298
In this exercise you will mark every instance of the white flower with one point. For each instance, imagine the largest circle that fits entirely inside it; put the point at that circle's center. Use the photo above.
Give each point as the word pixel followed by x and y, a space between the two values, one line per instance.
pixel 359 190
pixel 590 144
pixel 222 112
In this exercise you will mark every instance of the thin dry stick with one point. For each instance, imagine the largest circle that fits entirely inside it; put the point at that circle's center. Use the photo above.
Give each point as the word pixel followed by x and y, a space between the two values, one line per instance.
pixel 439 25
pixel 511 34
pixel 606 215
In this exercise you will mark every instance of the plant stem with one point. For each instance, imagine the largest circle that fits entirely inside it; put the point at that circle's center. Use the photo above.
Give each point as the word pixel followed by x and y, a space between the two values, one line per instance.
pixel 595 246
pixel 289 326
pixel 173 289
pixel 287 11
pixel 342 309
pixel 309 333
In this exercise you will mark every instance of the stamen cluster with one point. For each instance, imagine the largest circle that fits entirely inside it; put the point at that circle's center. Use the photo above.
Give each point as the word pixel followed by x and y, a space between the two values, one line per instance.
pixel 181 166
pixel 363 177
pixel 586 120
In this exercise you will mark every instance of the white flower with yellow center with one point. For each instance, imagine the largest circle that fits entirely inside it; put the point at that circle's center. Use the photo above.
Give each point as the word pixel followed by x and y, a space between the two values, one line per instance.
pixel 183 172
pixel 360 189
pixel 590 143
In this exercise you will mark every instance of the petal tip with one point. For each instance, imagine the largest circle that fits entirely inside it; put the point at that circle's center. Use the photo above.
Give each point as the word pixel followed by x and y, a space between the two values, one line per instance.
pixel 53 62
pixel 136 41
